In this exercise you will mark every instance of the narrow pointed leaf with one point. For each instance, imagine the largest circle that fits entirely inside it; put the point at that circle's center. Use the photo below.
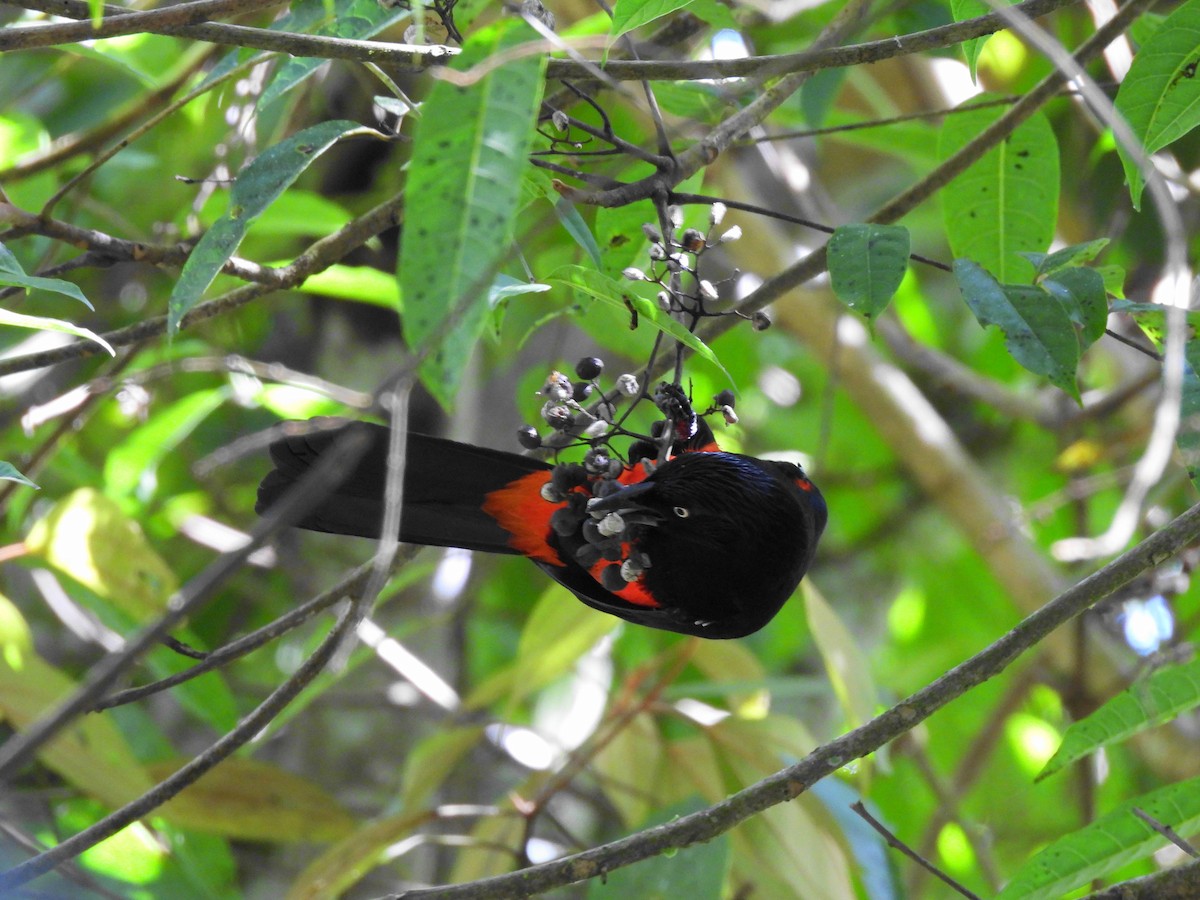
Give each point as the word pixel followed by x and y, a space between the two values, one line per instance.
pixel 1159 698
pixel 41 323
pixel 13 274
pixel 263 180
pixel 464 183
pixel 1110 842
pixel 9 472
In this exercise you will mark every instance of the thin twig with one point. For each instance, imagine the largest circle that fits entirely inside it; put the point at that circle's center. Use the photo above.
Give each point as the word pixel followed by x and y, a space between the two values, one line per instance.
pixel 897 844
pixel 1167 831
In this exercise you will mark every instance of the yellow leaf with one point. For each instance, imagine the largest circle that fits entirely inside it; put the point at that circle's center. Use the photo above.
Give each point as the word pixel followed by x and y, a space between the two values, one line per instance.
pixel 91 754
pixel 87 537
pixel 255 801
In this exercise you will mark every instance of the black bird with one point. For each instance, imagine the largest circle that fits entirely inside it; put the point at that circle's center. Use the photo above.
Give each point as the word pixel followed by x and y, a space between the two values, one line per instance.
pixel 707 543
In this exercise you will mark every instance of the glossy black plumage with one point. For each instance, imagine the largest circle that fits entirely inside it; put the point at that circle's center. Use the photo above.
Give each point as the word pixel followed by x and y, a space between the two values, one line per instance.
pixel 725 538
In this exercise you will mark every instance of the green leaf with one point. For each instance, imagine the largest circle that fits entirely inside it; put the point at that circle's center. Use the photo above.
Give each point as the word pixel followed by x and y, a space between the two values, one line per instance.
pixel 848 669
pixel 1007 201
pixel 622 296
pixel 1081 291
pixel 577 228
pixel 1162 696
pixel 1152 319
pixel 1038 332
pixel 1075 255
pixel 256 188
pixel 1114 279
pixel 41 323
pixel 361 284
pixel 9 472
pixel 1110 842
pixel 558 632
pixel 630 14
pixel 1188 438
pixel 432 759
pixel 867 264
pixel 1160 95
pixel 131 467
pixel 353 21
pixel 628 768
pixel 972 47
pixel 345 863
pixel 464 183
pixel 86 536
pixel 12 273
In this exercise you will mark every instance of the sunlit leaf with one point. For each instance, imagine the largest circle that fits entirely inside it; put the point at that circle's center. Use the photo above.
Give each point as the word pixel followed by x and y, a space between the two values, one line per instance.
pixel 42 323
pixel 90 753
pixel 848 669
pixel 1158 698
pixel 362 284
pixel 1075 255
pixel 1110 842
pixel 86 536
pixel 628 766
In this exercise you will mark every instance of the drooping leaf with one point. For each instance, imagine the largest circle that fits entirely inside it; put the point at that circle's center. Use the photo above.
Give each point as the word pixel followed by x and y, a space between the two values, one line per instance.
pixel 1037 330
pixel 42 323
pixel 1160 95
pixel 1081 291
pixel 12 273
pixel 866 265
pixel 573 222
pixel 9 472
pixel 86 536
pixel 431 760
pixel 256 188
pixel 341 866
pixel 1159 698
pixel 972 47
pixel 1075 255
pixel 848 669
pixel 1007 201
pixel 464 182
pixel 1188 438
pixel 1110 842
pixel 252 800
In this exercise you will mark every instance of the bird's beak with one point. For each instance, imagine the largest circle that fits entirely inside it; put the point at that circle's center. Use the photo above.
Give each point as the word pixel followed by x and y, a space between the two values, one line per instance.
pixel 626 500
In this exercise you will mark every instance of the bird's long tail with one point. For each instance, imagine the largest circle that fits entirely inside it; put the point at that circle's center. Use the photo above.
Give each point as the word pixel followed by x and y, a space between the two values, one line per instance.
pixel 446 487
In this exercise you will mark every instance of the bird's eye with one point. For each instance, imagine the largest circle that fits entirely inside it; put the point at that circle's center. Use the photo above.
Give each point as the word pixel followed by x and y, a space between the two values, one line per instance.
pixel 682 511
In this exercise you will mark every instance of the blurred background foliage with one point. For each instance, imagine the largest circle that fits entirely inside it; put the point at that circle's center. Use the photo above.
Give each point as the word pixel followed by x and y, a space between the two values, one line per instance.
pixel 488 720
